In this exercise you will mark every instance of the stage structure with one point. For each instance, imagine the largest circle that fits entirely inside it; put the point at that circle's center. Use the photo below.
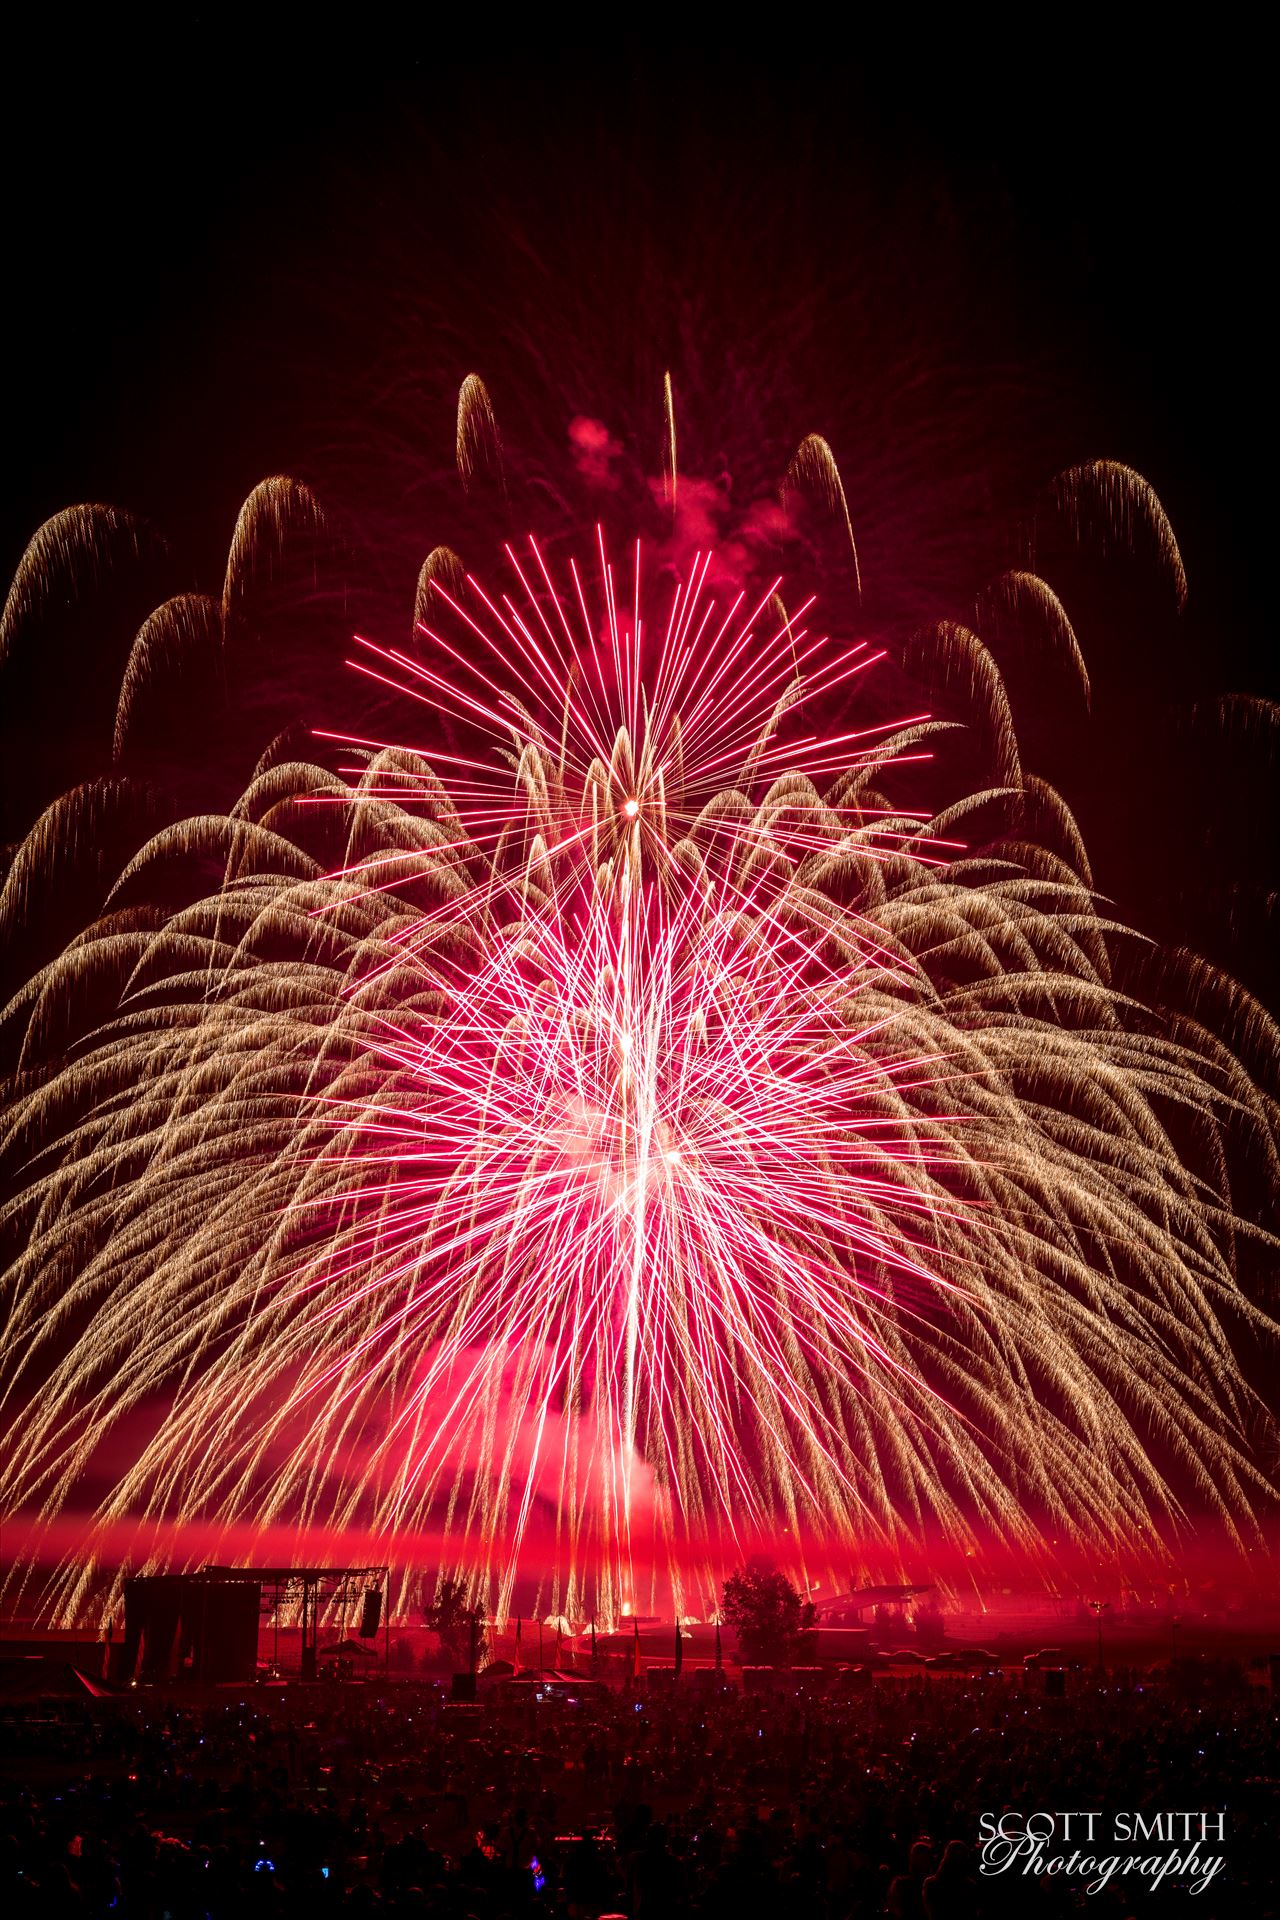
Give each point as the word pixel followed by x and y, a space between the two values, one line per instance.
pixel 205 1625
pixel 867 1597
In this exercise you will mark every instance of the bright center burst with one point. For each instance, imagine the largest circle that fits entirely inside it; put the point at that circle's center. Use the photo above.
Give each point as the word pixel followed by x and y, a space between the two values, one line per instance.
pixel 634 1204
pixel 633 1183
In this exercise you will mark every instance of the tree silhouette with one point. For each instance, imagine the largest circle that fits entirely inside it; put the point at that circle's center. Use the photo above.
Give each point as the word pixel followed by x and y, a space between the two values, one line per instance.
pixel 767 1613
pixel 453 1619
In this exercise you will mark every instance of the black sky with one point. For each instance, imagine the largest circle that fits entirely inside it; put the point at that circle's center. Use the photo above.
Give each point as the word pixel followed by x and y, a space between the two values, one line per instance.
pixel 200 216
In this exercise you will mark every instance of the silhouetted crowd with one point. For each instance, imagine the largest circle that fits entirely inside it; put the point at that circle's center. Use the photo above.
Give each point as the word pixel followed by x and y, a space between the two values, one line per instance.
pixel 694 1806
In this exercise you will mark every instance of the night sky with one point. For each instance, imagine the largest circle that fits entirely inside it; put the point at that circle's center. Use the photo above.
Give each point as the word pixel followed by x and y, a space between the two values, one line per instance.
pixel 238 251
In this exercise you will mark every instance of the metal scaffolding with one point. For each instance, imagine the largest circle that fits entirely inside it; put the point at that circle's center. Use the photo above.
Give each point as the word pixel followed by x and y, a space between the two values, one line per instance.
pixel 311 1590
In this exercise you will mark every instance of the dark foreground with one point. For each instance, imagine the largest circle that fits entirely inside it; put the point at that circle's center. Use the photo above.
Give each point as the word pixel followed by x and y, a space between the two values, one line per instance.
pixel 374 1800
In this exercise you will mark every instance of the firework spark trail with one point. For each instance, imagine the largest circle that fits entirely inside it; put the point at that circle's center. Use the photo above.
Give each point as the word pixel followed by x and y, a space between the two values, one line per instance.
pixel 655 1282
pixel 628 1141
pixel 622 1102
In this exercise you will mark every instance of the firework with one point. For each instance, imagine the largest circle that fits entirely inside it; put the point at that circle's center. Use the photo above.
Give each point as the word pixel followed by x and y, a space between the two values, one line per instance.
pixel 610 1130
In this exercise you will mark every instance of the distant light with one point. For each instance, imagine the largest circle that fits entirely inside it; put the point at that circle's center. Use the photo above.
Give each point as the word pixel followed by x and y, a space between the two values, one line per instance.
pixel 631 808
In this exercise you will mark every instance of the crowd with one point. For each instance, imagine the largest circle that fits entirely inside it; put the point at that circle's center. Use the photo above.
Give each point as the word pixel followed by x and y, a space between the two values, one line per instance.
pixel 690 1805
